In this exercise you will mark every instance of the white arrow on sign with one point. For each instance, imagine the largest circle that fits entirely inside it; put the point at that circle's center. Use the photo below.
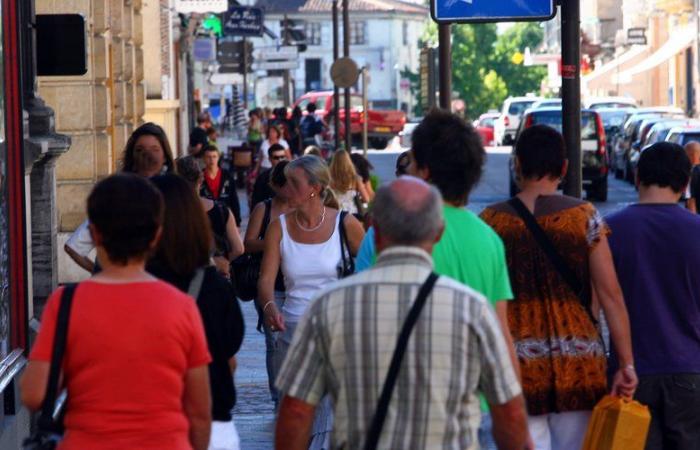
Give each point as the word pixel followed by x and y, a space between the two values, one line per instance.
pixel 274 53
pixel 451 3
pixel 225 78
pixel 276 65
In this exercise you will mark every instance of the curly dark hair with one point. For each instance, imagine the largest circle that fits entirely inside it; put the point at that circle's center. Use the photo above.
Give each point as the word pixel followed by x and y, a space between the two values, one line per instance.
pixel 147 129
pixel 362 166
pixel 451 150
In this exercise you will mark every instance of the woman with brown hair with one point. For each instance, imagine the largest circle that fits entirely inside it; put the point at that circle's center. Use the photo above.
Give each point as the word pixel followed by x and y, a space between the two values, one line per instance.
pixel 274 136
pixel 182 259
pixel 346 185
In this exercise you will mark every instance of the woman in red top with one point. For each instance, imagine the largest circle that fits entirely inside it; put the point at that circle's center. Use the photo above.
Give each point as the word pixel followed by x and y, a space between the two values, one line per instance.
pixel 136 358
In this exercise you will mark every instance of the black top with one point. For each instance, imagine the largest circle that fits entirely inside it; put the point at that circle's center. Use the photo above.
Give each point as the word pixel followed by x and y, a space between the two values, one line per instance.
pixel 227 194
pixel 198 136
pixel 218 217
pixel 261 189
pixel 695 185
pixel 223 326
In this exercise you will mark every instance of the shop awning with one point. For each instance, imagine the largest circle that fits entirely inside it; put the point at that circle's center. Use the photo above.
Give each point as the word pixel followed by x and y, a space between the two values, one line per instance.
pixel 677 42
pixel 629 55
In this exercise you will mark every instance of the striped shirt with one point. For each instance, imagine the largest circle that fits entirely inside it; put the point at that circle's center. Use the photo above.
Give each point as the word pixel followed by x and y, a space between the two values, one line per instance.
pixel 344 344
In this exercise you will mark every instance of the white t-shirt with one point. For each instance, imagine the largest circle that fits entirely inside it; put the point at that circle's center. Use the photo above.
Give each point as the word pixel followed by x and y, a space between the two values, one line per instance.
pixel 81 241
pixel 265 159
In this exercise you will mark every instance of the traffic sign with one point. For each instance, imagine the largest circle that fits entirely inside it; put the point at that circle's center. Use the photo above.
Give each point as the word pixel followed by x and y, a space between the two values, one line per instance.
pixel 225 78
pixel 276 65
pixel 637 36
pixel 449 11
pixel 286 52
pixel 243 21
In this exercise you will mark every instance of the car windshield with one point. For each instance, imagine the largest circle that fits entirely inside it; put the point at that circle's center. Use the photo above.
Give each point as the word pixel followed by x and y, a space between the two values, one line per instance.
pixel 613 118
pixel 553 119
pixel 487 122
pixel 611 105
pixel 517 108
pixel 690 137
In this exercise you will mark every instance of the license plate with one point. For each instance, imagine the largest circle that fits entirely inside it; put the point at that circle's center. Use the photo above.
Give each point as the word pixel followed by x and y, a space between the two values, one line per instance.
pixel 383 130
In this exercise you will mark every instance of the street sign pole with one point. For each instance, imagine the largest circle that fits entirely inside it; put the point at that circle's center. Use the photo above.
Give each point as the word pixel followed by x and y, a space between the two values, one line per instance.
pixel 571 92
pixel 285 94
pixel 245 76
pixel 336 89
pixel 365 89
pixel 445 65
pixel 346 53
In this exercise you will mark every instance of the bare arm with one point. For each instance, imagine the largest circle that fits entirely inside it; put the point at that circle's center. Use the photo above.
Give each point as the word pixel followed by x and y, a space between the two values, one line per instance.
pixel 294 424
pixel 510 424
pixel 33 383
pixel 234 237
pixel 83 261
pixel 252 243
pixel 355 232
pixel 197 405
pixel 362 189
pixel 609 295
pixel 268 274
pixel 502 315
pixel 692 205
pixel 370 190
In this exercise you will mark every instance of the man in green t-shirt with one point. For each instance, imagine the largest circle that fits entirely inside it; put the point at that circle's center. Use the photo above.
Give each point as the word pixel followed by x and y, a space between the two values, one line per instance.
pixel 447 152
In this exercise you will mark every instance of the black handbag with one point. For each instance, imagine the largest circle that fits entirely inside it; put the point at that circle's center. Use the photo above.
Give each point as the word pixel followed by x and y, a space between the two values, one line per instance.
pixel 49 432
pixel 392 375
pixel 245 269
pixel 346 267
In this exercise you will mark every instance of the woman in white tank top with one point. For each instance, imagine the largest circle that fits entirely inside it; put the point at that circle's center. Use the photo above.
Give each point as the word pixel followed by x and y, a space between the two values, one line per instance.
pixel 305 244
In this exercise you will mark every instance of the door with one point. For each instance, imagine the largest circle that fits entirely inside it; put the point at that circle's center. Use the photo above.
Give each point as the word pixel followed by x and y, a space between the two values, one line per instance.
pixel 313 74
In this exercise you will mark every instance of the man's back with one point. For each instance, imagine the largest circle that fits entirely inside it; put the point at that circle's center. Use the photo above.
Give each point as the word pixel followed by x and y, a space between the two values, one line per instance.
pixel 456 348
pixel 657 258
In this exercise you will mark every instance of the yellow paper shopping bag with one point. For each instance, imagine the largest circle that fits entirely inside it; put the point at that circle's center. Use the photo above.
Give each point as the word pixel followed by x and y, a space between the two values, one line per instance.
pixel 617 424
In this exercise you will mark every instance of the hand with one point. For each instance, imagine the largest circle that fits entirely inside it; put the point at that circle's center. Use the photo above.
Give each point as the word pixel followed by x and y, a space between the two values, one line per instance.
pixel 273 317
pixel 223 266
pixel 625 382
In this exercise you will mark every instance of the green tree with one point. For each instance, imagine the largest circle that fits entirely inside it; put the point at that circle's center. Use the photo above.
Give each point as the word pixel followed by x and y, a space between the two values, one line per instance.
pixel 520 79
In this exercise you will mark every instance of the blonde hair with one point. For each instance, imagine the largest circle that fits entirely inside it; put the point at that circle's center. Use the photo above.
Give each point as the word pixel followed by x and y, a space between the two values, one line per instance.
pixel 317 174
pixel 343 174
pixel 313 150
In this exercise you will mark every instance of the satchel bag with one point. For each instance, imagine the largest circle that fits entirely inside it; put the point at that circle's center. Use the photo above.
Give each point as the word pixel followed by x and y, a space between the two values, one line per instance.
pixel 246 268
pixel 617 424
pixel 346 267
pixel 49 432
pixel 392 375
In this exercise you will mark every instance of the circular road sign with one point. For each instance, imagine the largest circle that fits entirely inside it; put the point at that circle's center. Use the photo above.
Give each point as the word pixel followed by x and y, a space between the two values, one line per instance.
pixel 344 72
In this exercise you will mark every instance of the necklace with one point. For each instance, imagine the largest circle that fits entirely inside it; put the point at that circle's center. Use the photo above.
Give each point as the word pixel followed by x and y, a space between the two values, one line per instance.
pixel 323 218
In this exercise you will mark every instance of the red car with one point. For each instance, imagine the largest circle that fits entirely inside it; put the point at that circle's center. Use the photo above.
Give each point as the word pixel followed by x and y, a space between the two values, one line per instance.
pixel 484 126
pixel 382 126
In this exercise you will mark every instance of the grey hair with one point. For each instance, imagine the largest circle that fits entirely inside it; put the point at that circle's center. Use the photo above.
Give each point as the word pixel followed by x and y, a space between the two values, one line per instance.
pixel 406 223
pixel 318 174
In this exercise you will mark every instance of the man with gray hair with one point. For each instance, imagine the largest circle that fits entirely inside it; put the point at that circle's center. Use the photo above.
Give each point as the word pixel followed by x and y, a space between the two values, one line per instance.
pixel 345 344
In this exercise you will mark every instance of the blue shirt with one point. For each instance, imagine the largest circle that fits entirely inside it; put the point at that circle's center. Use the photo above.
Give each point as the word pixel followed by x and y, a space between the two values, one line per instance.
pixel 656 250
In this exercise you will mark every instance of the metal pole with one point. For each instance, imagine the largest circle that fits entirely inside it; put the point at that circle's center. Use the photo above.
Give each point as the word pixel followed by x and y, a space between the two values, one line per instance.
pixel 245 76
pixel 365 79
pixel 445 55
pixel 346 53
pixel 571 92
pixel 285 90
pixel 336 90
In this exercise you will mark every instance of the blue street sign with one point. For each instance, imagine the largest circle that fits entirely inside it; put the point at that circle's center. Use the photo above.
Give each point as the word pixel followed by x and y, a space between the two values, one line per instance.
pixel 244 21
pixel 448 11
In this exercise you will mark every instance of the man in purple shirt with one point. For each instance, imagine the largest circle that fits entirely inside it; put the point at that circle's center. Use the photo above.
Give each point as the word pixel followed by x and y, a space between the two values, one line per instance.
pixel 656 251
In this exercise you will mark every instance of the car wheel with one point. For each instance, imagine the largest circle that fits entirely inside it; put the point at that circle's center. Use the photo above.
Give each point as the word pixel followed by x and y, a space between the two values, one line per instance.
pixel 629 173
pixel 379 143
pixel 599 191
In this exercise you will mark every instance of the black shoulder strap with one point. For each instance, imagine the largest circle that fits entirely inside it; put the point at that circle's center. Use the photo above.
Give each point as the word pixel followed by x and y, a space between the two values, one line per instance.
pixel 549 249
pixel 59 348
pixel 344 247
pixel 392 375
pixel 266 218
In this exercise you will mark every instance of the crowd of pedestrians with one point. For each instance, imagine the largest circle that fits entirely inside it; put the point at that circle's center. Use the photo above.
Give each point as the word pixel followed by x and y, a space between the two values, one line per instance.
pixel 393 316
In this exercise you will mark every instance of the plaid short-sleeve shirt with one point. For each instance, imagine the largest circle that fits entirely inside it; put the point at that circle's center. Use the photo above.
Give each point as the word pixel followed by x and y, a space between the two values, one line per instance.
pixel 344 344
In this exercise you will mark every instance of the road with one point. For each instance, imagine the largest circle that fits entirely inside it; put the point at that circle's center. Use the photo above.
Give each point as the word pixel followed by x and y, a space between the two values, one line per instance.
pixel 254 413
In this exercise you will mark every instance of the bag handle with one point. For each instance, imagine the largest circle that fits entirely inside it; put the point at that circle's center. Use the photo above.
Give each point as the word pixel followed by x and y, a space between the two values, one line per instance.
pixel 195 286
pixel 266 219
pixel 392 375
pixel 545 243
pixel 59 348
pixel 344 247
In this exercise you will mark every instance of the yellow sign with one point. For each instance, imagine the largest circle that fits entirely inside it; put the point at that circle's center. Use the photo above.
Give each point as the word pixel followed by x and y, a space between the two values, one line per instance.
pixel 518 58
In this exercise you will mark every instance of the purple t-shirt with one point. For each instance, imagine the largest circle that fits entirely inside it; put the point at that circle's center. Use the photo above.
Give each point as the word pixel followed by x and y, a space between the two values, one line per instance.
pixel 656 250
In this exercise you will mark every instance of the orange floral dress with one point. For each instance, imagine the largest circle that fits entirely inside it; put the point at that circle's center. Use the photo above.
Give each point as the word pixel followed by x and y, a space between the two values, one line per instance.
pixel 561 354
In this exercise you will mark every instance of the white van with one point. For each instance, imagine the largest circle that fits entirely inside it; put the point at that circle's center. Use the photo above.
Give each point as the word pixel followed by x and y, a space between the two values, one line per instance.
pixel 509 121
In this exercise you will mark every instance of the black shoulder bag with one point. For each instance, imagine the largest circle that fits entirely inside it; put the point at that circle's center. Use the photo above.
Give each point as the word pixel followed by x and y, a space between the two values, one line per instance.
pixel 246 268
pixel 553 255
pixel 49 432
pixel 392 375
pixel 347 262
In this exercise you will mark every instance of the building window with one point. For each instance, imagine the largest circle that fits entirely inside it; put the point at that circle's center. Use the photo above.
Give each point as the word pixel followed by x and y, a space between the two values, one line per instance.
pixel 358 33
pixel 405 33
pixel 313 33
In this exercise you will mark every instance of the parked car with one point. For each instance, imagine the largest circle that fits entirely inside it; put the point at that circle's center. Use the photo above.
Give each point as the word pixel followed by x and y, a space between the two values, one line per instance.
pixel 683 135
pixel 659 131
pixel 613 121
pixel 485 126
pixel 593 148
pixel 406 133
pixel 507 124
pixel 608 102
pixel 546 102
pixel 382 126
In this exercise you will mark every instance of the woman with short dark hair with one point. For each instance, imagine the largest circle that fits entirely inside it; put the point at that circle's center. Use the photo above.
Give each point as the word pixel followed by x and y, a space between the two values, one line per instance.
pixel 553 316
pixel 182 259
pixel 135 365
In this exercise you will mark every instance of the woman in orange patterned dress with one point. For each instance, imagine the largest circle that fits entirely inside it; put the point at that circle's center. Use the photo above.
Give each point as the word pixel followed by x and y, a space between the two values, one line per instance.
pixel 562 357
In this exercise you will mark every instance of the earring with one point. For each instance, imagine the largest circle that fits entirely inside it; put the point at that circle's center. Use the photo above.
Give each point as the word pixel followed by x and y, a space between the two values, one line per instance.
pixel 313 195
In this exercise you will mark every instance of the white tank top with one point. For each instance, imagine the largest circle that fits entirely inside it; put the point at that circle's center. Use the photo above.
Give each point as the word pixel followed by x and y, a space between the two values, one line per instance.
pixel 307 268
